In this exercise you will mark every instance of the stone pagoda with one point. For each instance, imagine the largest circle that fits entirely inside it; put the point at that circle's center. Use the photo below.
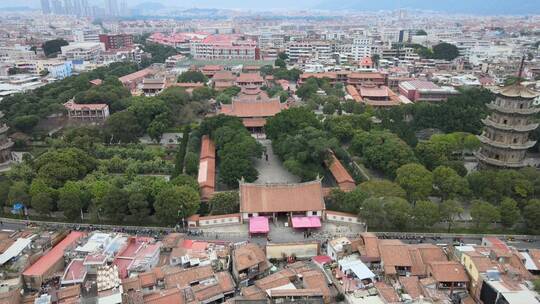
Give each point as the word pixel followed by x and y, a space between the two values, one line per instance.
pixel 505 139
pixel 5 142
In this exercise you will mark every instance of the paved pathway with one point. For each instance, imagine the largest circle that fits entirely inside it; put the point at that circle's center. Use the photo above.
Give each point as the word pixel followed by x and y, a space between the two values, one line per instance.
pixel 272 171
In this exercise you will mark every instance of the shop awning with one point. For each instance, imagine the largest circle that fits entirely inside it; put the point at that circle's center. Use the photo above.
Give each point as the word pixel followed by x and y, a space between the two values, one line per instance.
pixel 258 224
pixel 306 222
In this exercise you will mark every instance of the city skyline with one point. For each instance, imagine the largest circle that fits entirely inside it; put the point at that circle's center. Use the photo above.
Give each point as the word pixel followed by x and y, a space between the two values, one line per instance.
pixel 502 7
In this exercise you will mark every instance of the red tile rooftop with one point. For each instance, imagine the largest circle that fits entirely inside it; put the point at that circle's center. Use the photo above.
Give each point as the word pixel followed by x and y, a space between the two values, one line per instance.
pixel 249 77
pixel 72 106
pixel 367 92
pixel 420 85
pixel 76 271
pixel 53 256
pixel 137 75
pixel 253 109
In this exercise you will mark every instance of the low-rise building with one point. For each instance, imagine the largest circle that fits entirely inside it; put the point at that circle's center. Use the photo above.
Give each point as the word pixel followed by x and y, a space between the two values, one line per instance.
pixel 87 112
pixel 253 109
pixel 278 200
pixel 86 51
pixel 207 168
pixel 115 42
pixel 50 263
pixel 249 263
pixel 421 90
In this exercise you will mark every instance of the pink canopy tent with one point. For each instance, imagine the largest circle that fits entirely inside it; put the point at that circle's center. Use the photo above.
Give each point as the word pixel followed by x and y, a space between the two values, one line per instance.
pixel 306 222
pixel 258 224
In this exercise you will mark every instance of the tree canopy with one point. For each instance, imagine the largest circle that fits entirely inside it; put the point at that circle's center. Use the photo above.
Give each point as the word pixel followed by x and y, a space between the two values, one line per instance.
pixel 53 47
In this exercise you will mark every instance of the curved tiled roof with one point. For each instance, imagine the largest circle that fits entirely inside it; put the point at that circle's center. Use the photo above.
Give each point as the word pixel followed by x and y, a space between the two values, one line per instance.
pixel 518 90
pixel 281 197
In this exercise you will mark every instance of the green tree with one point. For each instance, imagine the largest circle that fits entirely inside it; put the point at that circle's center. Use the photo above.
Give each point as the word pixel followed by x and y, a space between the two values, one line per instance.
pixel 175 96
pixel 426 214
pixel 449 210
pixel 156 129
pixel 308 89
pixel 56 167
pixel 290 121
pixel 398 212
pixel 234 168
pixel 192 76
pixel 123 127
pixel 70 200
pixel 185 180
pixel 52 47
pixel 43 203
pixel 483 214
pixel 329 108
pixel 39 185
pixel 382 188
pixel 531 214
pixel 536 283
pixel 174 203
pixel 114 204
pixel 138 207
pixel 202 93
pixel 449 183
pixel 509 212
pixel 382 150
pixel 191 163
pixel 432 154
pixel 280 63
pixel 416 180
pixel 18 193
pixel 267 69
pixel 373 212
pixel 25 123
pixel 224 203
pixel 224 98
pixel 5 186
pixel 350 202
pixel 15 71
pixel 445 51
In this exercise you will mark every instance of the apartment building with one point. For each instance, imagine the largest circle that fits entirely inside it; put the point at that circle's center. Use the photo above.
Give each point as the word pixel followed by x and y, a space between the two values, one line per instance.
pixel 225 47
pixel 298 50
pixel 87 51
pixel 115 42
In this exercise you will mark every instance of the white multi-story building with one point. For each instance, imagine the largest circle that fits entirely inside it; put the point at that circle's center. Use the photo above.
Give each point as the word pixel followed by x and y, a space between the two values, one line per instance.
pixel 224 47
pixel 271 40
pixel 86 51
pixel 86 35
pixel 309 49
pixel 479 54
pixel 443 34
pixel 361 47
pixel 17 52
pixel 466 45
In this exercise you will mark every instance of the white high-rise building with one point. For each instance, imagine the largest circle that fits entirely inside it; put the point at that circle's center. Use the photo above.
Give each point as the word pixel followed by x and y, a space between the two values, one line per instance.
pixel 68 7
pixel 124 11
pixel 111 7
pixel 57 7
pixel 77 7
pixel 361 47
pixel 45 7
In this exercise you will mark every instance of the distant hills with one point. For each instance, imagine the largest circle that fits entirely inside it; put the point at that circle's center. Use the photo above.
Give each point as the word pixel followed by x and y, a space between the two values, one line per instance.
pixel 149 6
pixel 16 9
pixel 476 7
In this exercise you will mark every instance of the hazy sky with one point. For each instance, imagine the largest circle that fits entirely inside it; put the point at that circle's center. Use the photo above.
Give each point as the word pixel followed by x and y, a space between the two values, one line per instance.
pixel 504 7
pixel 246 4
